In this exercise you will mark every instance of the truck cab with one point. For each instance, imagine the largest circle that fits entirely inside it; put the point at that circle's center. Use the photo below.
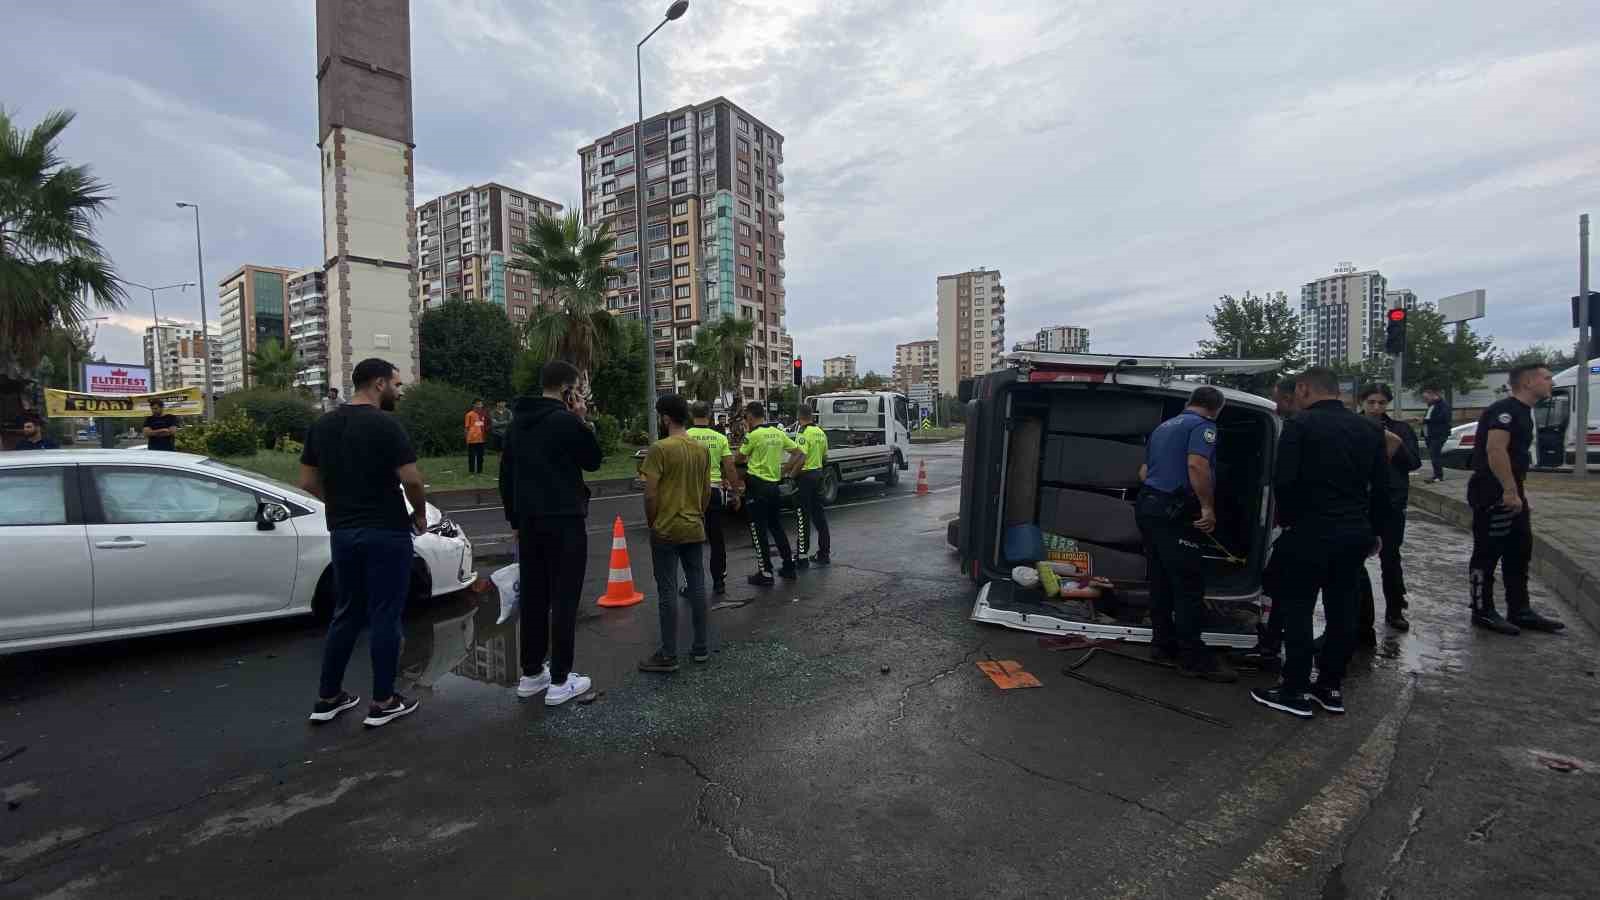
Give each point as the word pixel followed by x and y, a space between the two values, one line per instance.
pixel 869 436
pixel 1055 440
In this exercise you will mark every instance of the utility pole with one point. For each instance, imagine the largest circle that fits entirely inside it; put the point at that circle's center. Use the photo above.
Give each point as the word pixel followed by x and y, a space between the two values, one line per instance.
pixel 1580 425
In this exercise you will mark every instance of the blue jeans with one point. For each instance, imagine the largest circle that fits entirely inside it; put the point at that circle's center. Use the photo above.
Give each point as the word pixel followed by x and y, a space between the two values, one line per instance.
pixel 371 568
pixel 665 558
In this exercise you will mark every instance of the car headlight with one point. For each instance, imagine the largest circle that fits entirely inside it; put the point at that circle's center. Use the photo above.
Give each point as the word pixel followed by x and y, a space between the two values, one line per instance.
pixel 445 528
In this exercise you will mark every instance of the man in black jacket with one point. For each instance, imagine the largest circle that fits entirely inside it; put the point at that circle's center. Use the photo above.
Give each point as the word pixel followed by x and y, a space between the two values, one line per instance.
pixel 1332 485
pixel 1400 443
pixel 1436 429
pixel 548 448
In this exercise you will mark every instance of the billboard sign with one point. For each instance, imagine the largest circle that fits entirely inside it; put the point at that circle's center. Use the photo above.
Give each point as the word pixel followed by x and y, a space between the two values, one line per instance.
pixel 1463 307
pixel 180 402
pixel 116 378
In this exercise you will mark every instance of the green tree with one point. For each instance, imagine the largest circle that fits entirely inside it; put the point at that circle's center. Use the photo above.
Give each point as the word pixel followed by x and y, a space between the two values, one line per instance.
pixel 525 373
pixel 1254 327
pixel 469 344
pixel 431 412
pixel 1435 359
pixel 1556 358
pixel 619 384
pixel 272 365
pixel 717 359
pixel 784 400
pixel 567 261
pixel 52 267
pixel 872 381
pixel 700 367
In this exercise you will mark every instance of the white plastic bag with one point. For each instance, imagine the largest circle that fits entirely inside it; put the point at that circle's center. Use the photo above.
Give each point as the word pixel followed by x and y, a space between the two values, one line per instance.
pixel 1025 576
pixel 508 582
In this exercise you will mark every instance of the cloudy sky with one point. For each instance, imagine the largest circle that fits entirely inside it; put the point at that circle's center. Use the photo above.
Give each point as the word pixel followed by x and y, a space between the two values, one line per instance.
pixel 1121 162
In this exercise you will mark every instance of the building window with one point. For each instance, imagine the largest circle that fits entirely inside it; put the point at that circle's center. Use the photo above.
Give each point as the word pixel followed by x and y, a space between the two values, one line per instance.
pixel 516 201
pixel 708 183
pixel 680 229
pixel 744 146
pixel 744 270
pixel 683 312
pixel 660 273
pixel 681 251
pixel 681 291
pixel 680 271
pixel 680 166
pixel 681 186
pixel 680 123
pixel 680 144
pixel 744 250
pixel 659 254
pixel 708 118
pixel 681 208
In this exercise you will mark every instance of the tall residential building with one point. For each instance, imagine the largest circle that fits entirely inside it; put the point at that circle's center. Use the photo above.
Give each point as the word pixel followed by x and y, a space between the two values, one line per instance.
pixel 254 310
pixel 366 146
pixel 182 349
pixel 308 328
pixel 1341 316
pixel 839 366
pixel 1062 339
pixel 467 236
pixel 1399 298
pixel 714 243
pixel 916 363
pixel 972 326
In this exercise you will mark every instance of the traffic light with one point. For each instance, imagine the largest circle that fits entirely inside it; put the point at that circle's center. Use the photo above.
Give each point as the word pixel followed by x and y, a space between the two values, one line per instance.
pixel 1394 342
pixel 797 371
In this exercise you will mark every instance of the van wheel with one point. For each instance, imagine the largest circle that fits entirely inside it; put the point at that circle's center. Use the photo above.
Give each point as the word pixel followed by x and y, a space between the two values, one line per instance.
pixel 828 490
pixel 891 477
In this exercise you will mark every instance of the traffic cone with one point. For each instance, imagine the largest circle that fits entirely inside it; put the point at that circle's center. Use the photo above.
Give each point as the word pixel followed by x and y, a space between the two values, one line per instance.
pixel 922 477
pixel 619 586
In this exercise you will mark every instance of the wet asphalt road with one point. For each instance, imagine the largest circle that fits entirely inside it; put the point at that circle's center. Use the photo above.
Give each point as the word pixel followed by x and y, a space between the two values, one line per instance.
pixel 794 765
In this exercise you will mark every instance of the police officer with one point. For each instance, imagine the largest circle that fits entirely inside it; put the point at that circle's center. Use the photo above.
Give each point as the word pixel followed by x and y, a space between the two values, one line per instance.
pixel 1405 457
pixel 1332 486
pixel 809 510
pixel 1174 510
pixel 1501 527
pixel 769 455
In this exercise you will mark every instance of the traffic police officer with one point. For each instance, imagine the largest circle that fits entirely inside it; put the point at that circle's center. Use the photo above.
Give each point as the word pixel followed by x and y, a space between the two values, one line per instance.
pixel 1332 486
pixel 1174 509
pixel 1501 528
pixel 769 454
pixel 809 510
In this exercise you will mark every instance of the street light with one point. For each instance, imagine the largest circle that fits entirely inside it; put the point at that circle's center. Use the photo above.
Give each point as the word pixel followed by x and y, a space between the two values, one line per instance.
pixel 155 340
pixel 205 327
pixel 675 11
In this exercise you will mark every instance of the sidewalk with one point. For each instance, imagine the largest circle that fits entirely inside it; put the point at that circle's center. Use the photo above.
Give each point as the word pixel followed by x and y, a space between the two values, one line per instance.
pixel 1566 520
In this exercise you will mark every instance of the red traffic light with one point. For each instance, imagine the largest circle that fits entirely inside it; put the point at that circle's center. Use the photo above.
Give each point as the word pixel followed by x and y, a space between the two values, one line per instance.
pixel 1397 315
pixel 797 362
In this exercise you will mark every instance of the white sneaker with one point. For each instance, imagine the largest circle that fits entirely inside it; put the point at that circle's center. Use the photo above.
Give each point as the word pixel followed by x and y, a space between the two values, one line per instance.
pixel 527 687
pixel 575 686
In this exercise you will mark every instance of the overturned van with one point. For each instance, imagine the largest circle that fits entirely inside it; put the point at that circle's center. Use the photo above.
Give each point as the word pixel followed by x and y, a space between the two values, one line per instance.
pixel 1056 440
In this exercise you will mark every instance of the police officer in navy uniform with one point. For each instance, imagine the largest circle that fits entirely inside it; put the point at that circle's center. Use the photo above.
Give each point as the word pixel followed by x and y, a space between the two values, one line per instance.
pixel 1405 457
pixel 1175 509
pixel 1332 485
pixel 1501 528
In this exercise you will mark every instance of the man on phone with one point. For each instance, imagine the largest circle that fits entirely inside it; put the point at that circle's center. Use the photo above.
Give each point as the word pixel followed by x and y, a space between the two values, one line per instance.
pixel 358 459
pixel 548 448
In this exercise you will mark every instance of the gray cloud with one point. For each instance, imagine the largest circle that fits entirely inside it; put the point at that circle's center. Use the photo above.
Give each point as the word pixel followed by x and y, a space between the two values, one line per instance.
pixel 1122 163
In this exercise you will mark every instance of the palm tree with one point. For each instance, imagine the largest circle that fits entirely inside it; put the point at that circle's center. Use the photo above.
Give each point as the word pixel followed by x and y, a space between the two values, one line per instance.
pixel 717 358
pixel 52 267
pixel 568 262
pixel 701 370
pixel 273 365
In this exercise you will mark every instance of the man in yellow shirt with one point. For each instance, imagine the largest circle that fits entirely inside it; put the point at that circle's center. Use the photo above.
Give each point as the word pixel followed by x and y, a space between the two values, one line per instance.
pixel 724 490
pixel 676 490
pixel 809 512
pixel 768 452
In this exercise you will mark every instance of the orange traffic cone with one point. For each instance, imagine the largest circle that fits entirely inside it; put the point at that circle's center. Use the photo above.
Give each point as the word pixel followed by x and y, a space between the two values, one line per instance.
pixel 619 587
pixel 922 477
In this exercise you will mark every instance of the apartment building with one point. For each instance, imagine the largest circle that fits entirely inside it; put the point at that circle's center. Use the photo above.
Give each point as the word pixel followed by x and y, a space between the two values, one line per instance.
pixel 308 328
pixel 915 363
pixel 839 366
pixel 253 302
pixel 465 239
pixel 1341 316
pixel 972 325
pixel 176 355
pixel 713 191
pixel 1062 339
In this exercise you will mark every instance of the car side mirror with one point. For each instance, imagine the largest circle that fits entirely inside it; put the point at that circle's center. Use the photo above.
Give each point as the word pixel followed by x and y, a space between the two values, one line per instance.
pixel 269 513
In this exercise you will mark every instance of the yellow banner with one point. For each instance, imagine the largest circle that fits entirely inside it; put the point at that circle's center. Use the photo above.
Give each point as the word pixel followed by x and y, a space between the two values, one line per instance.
pixel 181 402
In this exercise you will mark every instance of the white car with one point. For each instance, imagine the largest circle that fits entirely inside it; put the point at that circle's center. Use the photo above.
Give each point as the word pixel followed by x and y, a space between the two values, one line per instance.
pixel 102 544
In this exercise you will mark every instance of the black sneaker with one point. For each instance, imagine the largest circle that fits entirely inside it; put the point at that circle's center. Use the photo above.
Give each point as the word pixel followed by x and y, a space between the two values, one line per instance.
pixel 701 656
pixel 1207 667
pixel 1279 699
pixel 1490 620
pixel 761 579
pixel 382 715
pixel 1167 653
pixel 1529 620
pixel 328 710
pixel 1399 623
pixel 659 663
pixel 789 571
pixel 822 559
pixel 1330 699
pixel 802 563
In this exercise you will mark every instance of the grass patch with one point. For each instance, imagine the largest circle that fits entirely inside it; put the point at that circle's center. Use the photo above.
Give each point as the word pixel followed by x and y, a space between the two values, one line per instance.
pixel 933 435
pixel 442 473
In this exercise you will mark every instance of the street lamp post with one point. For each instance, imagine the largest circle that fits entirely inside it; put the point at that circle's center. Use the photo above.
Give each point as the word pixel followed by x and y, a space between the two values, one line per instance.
pixel 205 327
pixel 646 309
pixel 155 318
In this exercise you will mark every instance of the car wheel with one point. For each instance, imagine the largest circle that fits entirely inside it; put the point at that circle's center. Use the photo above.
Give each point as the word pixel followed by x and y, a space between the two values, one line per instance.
pixel 891 477
pixel 828 491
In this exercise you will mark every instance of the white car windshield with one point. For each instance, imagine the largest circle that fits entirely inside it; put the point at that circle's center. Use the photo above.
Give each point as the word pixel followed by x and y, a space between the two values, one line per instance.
pixel 257 476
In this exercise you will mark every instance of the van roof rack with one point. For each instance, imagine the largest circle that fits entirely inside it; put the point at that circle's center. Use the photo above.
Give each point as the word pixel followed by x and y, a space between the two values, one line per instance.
pixel 1168 366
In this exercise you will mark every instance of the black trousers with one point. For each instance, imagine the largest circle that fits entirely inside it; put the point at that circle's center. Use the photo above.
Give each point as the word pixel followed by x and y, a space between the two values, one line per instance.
pixel 1436 454
pixel 475 458
pixel 766 522
pixel 1327 560
pixel 552 555
pixel 1394 581
pixel 714 536
pixel 1500 536
pixel 811 516
pixel 1271 579
pixel 1176 572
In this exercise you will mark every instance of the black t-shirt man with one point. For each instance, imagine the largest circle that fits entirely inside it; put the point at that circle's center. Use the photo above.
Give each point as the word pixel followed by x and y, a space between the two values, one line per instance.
pixel 161 441
pixel 1516 417
pixel 357 449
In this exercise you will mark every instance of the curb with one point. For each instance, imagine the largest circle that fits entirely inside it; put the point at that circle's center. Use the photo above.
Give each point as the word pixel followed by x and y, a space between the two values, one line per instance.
pixel 1575 583
pixel 490 495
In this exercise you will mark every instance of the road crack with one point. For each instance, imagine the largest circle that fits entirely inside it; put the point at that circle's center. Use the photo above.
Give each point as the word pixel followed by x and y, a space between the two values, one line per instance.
pixel 1078 785
pixel 900 712
pixel 703 818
